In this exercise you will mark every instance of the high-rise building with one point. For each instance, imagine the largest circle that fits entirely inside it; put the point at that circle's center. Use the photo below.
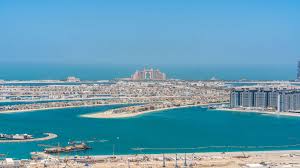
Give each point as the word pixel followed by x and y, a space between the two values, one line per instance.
pixel 246 98
pixel 260 99
pixel 235 99
pixel 149 74
pixel 298 71
pixel 280 99
pixel 273 99
pixel 289 101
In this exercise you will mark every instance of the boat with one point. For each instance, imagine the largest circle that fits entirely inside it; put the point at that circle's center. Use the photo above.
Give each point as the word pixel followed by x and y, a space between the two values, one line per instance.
pixel 66 149
pixel 212 107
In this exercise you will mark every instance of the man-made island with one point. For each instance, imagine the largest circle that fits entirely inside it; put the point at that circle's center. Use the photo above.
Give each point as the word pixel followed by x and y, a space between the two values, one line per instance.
pixel 137 110
pixel 170 93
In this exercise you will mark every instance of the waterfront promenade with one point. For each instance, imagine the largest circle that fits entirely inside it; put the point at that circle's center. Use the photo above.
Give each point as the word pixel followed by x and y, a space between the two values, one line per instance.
pixel 48 137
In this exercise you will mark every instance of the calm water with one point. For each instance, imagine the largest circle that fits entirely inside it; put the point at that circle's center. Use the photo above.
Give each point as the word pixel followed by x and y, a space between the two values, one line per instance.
pixel 106 72
pixel 179 128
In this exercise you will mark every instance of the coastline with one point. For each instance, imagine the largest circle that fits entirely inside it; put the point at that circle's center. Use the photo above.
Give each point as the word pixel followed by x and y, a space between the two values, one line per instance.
pixel 56 100
pixel 55 108
pixel 107 114
pixel 206 153
pixel 273 113
pixel 283 158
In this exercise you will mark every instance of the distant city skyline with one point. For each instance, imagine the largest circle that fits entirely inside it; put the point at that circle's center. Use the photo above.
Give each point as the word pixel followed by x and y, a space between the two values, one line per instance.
pixel 150 32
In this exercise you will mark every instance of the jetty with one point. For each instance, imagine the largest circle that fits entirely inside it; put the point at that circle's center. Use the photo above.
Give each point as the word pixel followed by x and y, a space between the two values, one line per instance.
pixel 48 137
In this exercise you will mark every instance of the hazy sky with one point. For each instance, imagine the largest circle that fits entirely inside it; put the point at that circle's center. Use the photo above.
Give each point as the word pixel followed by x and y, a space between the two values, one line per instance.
pixel 150 31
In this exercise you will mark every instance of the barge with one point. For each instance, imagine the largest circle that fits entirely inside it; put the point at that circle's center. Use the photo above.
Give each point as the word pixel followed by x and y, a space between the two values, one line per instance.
pixel 66 149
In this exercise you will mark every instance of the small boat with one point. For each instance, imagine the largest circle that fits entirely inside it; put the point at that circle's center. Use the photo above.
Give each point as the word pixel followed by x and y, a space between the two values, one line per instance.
pixel 211 107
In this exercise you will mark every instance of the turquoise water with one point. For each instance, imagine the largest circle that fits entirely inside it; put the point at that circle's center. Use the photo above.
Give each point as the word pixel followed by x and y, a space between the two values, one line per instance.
pixel 178 128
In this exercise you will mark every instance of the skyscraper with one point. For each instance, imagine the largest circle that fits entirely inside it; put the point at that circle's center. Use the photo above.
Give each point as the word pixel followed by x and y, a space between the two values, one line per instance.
pixel 298 71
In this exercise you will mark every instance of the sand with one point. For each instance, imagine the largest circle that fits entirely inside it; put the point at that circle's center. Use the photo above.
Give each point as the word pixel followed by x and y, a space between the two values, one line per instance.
pixel 108 114
pixel 54 108
pixel 213 159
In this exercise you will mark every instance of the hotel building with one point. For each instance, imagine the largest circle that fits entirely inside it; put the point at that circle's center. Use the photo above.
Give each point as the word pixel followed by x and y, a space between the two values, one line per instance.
pixel 280 99
pixel 149 74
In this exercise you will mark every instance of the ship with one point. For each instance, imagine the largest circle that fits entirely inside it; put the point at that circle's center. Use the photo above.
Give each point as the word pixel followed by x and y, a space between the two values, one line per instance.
pixel 66 149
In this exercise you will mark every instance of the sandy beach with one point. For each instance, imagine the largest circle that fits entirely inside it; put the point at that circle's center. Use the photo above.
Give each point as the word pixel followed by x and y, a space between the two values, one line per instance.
pixel 54 108
pixel 109 114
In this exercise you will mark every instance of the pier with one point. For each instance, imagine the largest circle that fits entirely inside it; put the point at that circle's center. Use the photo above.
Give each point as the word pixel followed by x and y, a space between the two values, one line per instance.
pixel 48 137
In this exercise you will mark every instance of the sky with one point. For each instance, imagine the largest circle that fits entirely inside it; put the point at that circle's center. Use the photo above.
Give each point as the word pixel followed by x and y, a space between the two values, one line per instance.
pixel 144 32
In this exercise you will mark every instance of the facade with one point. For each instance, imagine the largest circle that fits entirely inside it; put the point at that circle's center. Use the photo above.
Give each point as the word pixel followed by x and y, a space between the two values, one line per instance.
pixel 260 99
pixel 72 79
pixel 282 100
pixel 149 74
pixel 234 99
pixel 298 71
pixel 273 99
pixel 246 98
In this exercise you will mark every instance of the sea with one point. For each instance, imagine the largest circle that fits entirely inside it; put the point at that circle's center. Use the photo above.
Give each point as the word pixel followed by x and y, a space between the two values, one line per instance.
pixel 107 72
pixel 185 130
